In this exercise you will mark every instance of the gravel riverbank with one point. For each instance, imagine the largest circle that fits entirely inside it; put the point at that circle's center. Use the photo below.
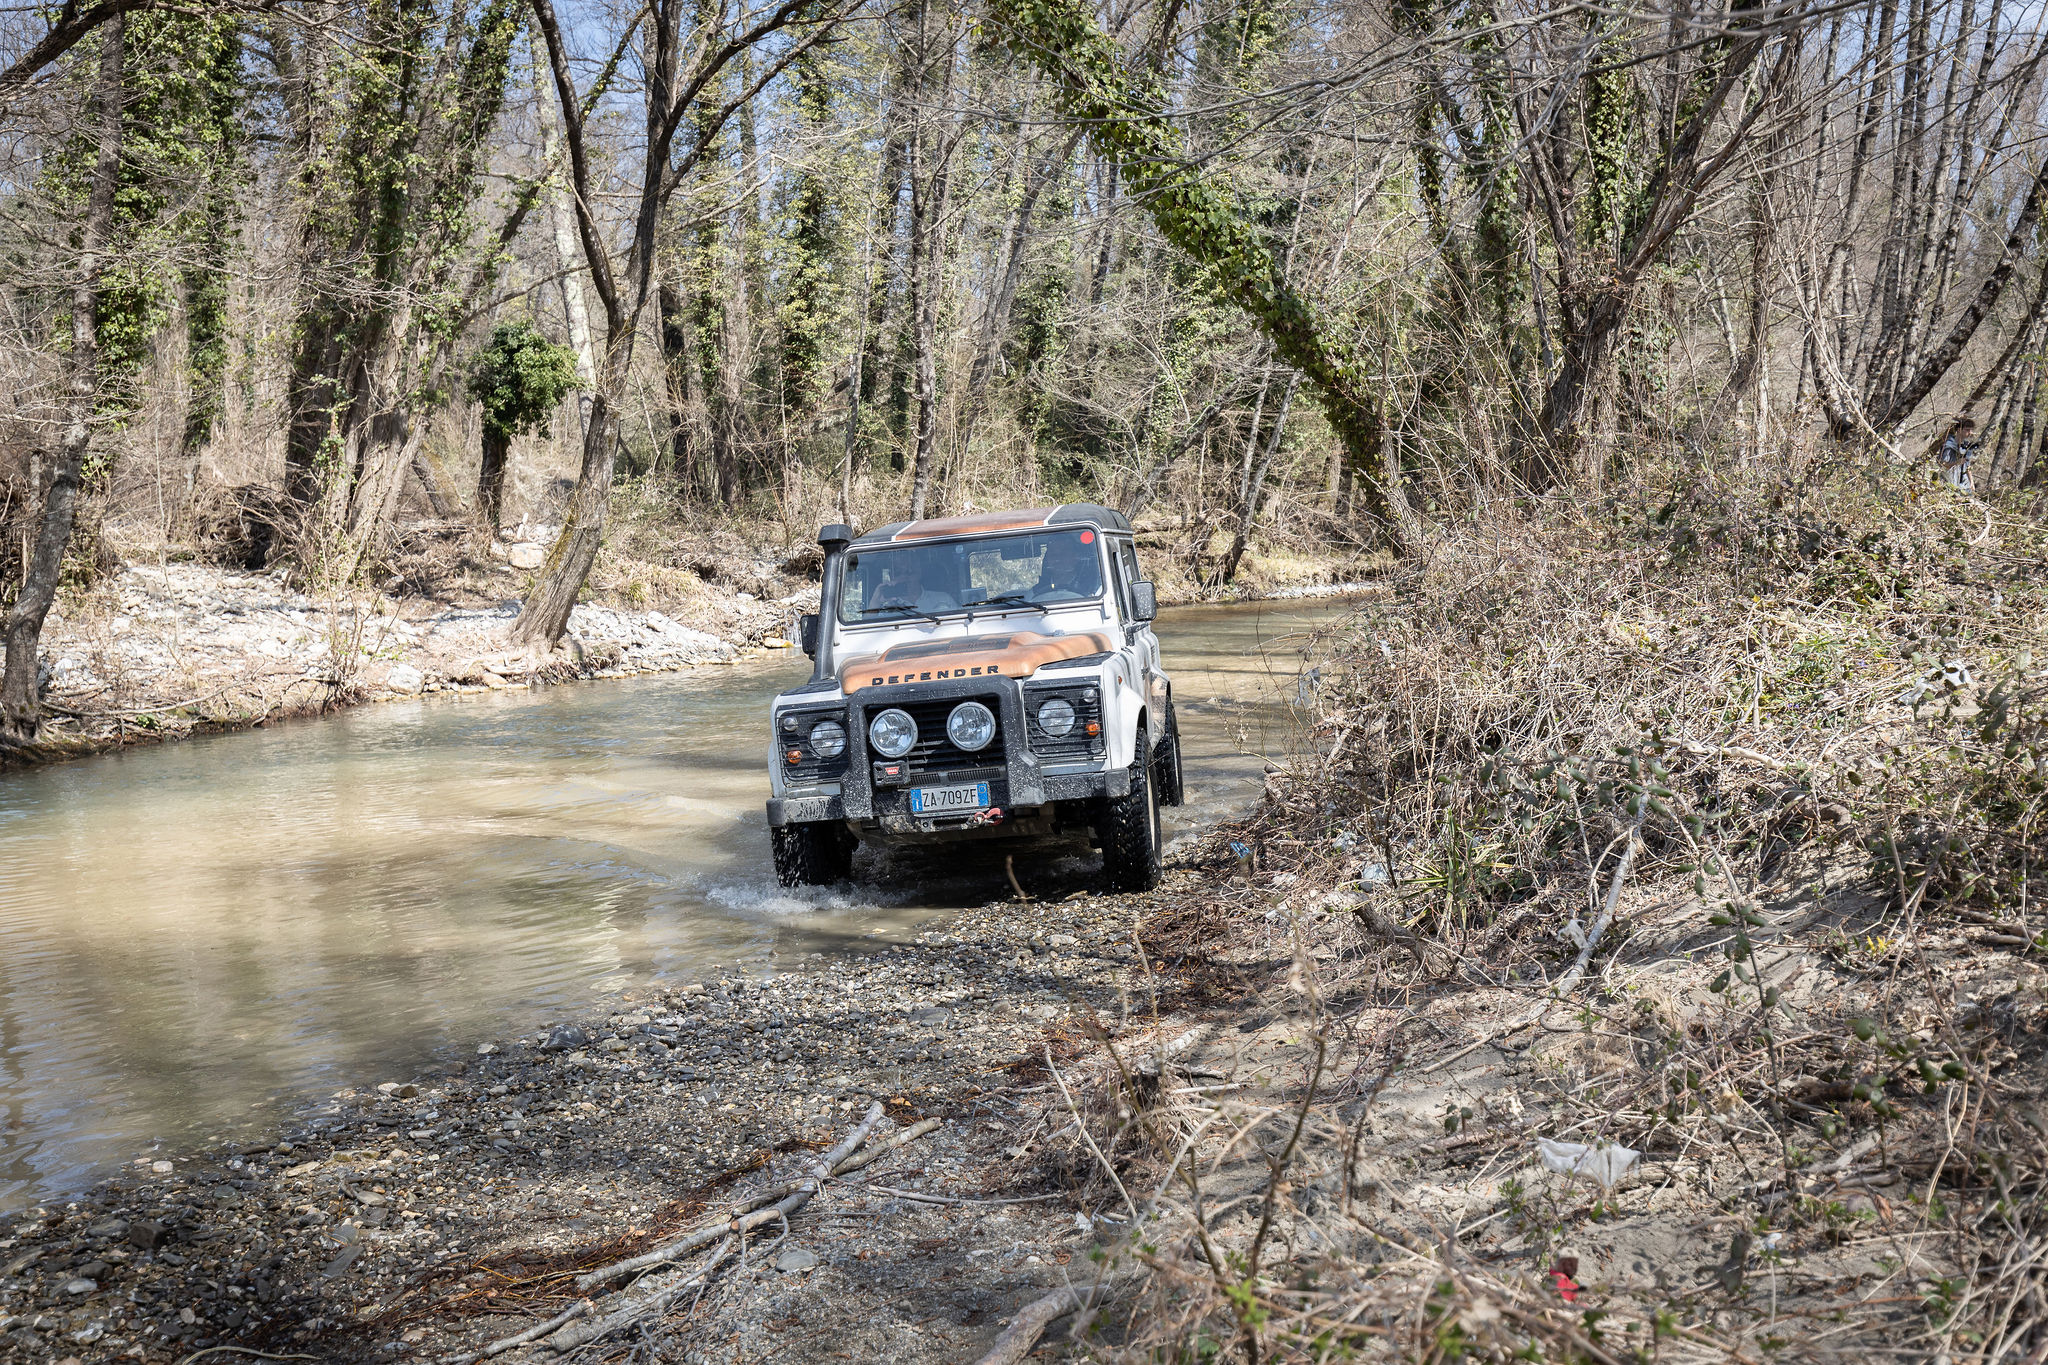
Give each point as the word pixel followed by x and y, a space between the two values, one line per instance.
pixel 420 1216
pixel 165 651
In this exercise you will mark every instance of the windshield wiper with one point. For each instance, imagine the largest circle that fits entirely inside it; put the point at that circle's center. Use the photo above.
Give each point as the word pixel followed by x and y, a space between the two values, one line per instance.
pixel 1012 599
pixel 899 606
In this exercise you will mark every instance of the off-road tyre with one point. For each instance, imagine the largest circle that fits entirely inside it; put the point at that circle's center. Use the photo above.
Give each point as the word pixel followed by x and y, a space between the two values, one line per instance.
pixel 815 854
pixel 1129 828
pixel 1172 789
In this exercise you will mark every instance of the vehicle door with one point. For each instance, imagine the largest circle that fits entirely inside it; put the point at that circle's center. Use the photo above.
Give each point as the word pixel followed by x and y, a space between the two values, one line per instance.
pixel 1144 641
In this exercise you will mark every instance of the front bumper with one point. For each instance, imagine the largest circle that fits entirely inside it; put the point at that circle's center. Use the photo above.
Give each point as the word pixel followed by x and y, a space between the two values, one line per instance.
pixel 1019 783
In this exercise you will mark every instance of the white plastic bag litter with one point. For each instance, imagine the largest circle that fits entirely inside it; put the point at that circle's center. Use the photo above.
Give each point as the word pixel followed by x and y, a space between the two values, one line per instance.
pixel 1607 1165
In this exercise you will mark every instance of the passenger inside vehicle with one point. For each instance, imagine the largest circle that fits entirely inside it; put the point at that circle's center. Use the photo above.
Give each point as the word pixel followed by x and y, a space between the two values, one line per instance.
pixel 905 587
pixel 1070 570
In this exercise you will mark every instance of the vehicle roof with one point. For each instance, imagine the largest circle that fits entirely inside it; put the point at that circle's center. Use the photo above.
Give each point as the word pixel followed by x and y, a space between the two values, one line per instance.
pixel 980 523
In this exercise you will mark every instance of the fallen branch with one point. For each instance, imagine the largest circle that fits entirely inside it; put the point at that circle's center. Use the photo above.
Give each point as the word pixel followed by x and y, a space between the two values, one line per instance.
pixel 920 1197
pixel 791 1198
pixel 880 1149
pixel 531 1334
pixel 660 1291
pixel 1031 1321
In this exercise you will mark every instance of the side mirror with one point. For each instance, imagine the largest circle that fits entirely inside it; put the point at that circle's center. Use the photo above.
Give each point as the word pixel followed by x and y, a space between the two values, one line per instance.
pixel 1144 600
pixel 807 632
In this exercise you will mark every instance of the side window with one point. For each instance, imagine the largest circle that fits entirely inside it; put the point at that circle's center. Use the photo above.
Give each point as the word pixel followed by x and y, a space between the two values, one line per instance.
pixel 1127 562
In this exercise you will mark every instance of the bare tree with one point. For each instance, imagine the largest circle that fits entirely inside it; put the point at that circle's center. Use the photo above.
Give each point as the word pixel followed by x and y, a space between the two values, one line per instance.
pixel 624 285
pixel 20 695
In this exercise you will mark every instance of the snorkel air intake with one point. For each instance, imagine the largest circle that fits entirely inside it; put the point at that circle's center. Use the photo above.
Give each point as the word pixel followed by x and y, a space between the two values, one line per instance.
pixel 833 539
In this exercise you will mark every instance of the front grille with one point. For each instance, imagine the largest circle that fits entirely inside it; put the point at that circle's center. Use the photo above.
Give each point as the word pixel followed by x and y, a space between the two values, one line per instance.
pixel 810 769
pixel 1077 743
pixel 933 749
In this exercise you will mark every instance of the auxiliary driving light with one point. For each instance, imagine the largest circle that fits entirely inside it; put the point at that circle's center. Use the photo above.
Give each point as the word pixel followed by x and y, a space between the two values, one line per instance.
pixel 892 733
pixel 971 726
pixel 828 739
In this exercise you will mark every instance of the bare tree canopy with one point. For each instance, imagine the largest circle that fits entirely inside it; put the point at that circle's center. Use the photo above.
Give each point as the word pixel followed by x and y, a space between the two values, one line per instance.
pixel 818 259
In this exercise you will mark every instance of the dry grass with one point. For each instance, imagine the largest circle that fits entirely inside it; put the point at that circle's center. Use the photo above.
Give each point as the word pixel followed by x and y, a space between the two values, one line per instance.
pixel 1783 763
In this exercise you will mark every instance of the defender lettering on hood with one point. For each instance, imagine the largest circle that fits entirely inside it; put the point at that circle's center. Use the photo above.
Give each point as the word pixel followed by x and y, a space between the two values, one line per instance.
pixel 1016 655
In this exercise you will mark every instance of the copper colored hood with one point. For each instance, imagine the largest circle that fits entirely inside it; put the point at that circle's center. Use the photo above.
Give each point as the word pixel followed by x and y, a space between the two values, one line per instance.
pixel 1016 654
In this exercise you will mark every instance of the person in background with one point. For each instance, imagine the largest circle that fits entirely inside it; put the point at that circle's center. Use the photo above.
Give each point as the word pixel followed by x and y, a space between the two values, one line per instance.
pixel 1957 452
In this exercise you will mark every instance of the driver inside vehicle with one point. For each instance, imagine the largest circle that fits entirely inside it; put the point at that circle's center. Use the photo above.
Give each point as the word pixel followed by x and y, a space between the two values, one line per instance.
pixel 905 588
pixel 1069 572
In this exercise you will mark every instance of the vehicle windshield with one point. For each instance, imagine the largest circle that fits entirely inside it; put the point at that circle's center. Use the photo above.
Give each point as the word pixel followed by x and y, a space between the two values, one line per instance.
pixel 903 582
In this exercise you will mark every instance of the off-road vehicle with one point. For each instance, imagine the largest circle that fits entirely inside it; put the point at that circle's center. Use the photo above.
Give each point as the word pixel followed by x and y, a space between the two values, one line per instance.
pixel 977 678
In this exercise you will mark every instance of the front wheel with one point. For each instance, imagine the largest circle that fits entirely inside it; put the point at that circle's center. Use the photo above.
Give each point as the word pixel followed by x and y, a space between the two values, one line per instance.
pixel 1129 828
pixel 813 854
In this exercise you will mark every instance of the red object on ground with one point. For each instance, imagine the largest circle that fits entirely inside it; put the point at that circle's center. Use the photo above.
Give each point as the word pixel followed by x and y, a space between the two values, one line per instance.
pixel 1561 1276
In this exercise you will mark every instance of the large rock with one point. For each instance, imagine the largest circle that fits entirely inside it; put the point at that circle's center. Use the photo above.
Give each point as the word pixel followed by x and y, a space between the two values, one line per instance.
pixel 525 555
pixel 405 678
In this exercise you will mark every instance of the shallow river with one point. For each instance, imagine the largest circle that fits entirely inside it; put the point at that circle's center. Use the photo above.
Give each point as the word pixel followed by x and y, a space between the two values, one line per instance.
pixel 197 940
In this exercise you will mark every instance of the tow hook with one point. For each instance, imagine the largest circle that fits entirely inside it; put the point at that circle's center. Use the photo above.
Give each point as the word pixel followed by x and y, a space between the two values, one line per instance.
pixel 992 816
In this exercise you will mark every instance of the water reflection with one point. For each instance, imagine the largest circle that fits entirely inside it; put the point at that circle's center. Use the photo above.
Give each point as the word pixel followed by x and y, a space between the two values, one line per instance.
pixel 192 937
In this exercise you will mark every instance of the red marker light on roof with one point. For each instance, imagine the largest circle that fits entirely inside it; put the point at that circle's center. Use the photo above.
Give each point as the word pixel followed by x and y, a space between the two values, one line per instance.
pixel 1087 537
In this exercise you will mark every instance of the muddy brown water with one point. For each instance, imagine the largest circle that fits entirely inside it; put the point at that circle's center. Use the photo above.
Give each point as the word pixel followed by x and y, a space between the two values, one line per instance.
pixel 199 941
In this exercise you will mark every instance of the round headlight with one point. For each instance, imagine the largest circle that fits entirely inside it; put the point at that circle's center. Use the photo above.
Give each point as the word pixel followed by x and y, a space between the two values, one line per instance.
pixel 1056 717
pixel 971 726
pixel 892 733
pixel 828 739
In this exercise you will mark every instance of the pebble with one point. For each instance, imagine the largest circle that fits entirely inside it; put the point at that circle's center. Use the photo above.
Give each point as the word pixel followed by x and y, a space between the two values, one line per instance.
pixel 796 1260
pixel 81 1285
pixel 162 1167
pixel 565 1038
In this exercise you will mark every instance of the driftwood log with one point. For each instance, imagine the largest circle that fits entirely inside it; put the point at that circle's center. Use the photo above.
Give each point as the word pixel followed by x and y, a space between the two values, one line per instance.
pixel 652 1293
pixel 1030 1323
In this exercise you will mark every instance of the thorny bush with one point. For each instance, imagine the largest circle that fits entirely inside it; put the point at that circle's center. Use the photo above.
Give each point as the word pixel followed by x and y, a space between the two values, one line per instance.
pixel 1807 732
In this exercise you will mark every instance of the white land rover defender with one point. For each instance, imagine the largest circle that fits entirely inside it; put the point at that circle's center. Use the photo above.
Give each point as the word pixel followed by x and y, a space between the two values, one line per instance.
pixel 989 677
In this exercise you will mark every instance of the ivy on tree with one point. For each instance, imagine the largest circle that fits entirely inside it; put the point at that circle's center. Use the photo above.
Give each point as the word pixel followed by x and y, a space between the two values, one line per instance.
pixel 520 377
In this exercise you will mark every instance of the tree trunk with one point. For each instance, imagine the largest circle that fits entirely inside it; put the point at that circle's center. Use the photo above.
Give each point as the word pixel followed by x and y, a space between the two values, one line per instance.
pixel 430 483
pixel 1909 395
pixel 929 192
pixel 546 613
pixel 677 345
pixel 568 259
pixel 1255 483
pixel 1571 418
pixel 20 697
pixel 490 477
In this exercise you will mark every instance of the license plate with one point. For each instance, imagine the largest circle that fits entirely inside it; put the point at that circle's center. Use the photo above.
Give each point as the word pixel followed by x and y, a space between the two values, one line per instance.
pixel 944 800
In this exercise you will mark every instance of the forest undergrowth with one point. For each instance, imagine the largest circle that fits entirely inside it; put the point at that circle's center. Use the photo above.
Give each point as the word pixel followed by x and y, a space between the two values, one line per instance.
pixel 1637 961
